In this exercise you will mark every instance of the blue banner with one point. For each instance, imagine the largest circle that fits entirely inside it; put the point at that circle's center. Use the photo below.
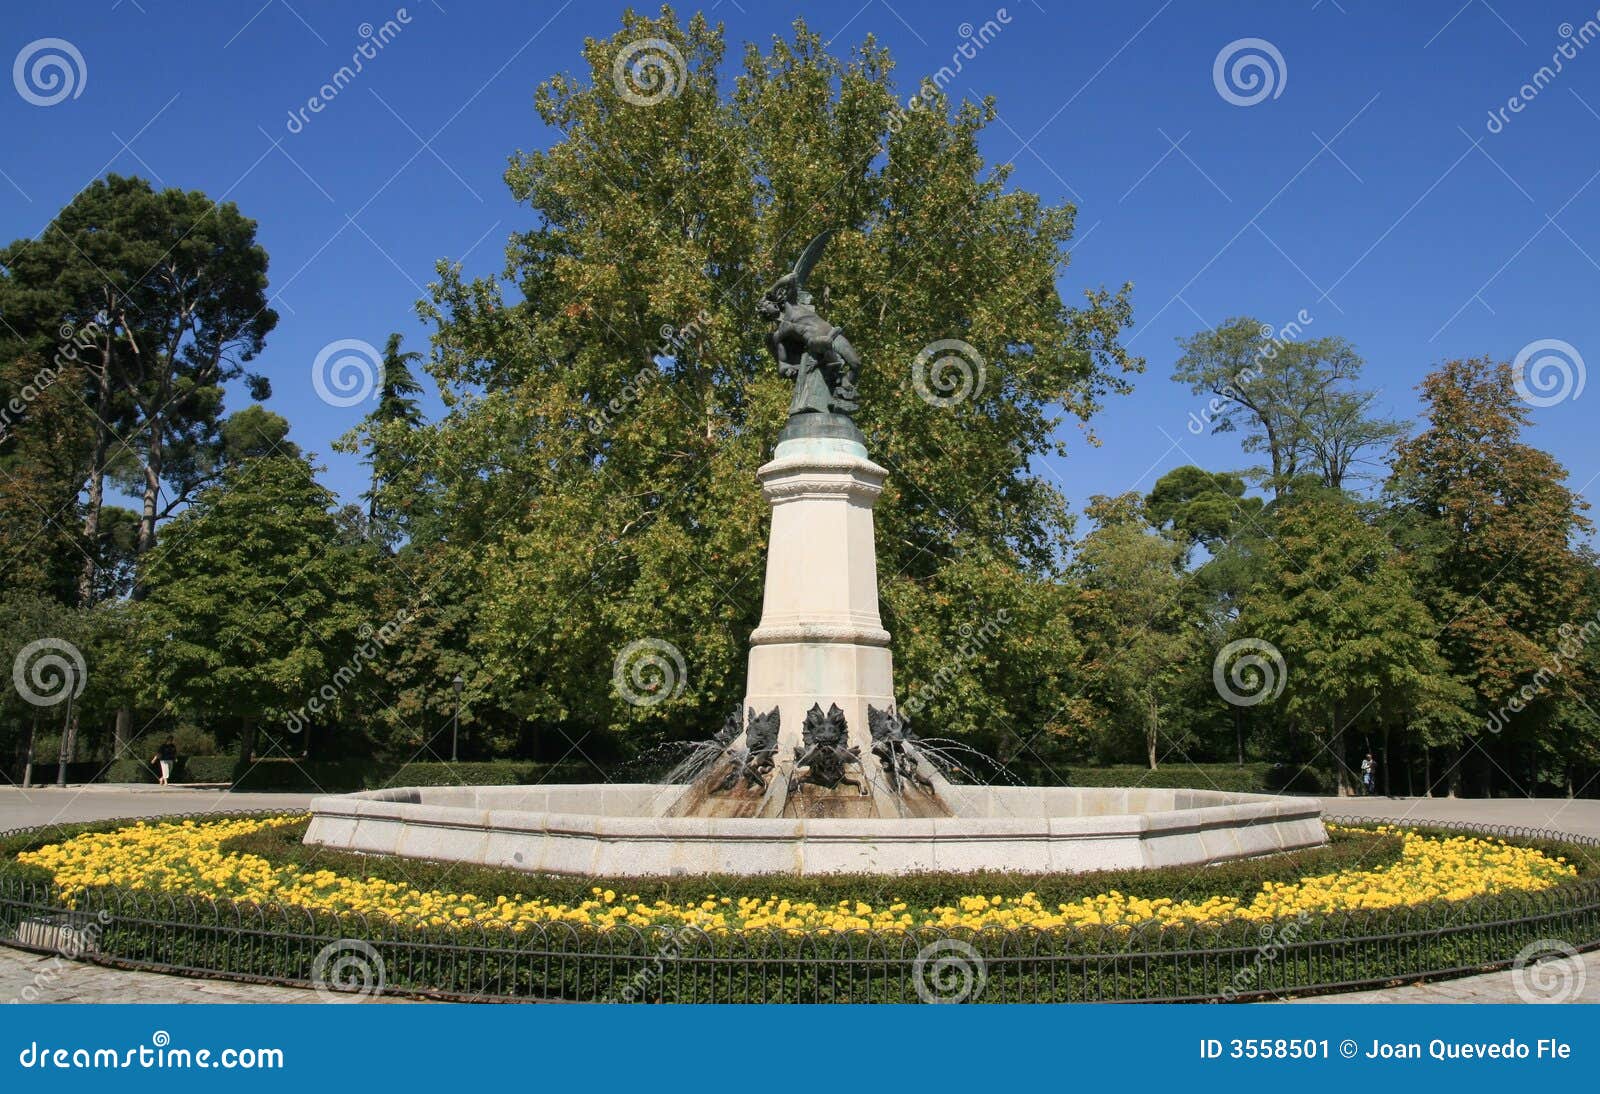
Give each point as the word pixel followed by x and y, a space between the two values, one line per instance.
pixel 1046 1048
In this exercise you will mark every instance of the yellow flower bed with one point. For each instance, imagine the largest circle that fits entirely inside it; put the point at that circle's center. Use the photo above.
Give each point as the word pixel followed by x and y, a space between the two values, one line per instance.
pixel 186 857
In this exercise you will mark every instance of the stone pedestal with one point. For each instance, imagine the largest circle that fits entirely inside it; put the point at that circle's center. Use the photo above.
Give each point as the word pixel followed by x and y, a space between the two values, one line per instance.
pixel 821 639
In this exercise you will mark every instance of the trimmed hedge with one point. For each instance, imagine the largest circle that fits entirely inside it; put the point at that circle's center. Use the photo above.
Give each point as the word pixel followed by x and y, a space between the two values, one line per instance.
pixel 342 776
pixel 1250 778
pixel 190 769
pixel 44 774
pixel 338 776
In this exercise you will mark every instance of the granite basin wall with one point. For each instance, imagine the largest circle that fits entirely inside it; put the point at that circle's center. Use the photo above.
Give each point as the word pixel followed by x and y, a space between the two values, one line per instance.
pixel 618 830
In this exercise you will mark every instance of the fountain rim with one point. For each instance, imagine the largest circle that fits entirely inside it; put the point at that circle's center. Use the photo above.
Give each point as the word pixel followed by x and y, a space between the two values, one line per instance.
pixel 400 821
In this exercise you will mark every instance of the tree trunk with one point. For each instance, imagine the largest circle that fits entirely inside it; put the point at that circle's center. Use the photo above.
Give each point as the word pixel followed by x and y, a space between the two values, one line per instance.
pixel 27 764
pixel 103 436
pixel 1427 769
pixel 69 741
pixel 154 460
pixel 1336 750
pixel 147 539
pixel 91 517
pixel 1276 455
pixel 247 741
pixel 1152 724
pixel 122 736
pixel 1455 773
pixel 1238 734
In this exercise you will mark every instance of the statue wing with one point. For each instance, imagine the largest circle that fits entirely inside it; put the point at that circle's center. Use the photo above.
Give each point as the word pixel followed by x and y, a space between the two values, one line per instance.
pixel 808 258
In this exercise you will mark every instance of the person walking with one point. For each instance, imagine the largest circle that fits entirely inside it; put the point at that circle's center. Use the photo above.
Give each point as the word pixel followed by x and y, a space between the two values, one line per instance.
pixel 165 759
pixel 1369 776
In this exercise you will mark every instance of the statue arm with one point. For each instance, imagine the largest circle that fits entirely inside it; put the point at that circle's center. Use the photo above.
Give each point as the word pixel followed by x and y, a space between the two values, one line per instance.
pixel 786 368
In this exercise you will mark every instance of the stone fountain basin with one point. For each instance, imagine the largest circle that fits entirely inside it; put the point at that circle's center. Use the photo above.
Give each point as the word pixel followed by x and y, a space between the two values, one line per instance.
pixel 618 830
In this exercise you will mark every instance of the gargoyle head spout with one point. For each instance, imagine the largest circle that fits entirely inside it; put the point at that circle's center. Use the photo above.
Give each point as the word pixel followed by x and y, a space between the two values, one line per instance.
pixel 827 730
pixel 762 730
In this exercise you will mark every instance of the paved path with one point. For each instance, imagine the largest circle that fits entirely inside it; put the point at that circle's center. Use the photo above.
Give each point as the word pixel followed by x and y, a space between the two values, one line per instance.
pixel 1574 980
pixel 1576 816
pixel 32 978
pixel 49 805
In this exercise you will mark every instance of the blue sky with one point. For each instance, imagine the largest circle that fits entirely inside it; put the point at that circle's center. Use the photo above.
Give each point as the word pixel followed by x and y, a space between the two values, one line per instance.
pixel 1367 189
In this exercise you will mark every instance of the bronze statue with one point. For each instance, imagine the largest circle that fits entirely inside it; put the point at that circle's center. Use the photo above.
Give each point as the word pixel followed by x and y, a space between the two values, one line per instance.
pixel 827 752
pixel 809 349
pixel 732 726
pixel 892 744
pixel 754 762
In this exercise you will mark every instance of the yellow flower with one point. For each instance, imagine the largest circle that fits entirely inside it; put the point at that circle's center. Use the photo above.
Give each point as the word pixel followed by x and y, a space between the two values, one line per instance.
pixel 187 857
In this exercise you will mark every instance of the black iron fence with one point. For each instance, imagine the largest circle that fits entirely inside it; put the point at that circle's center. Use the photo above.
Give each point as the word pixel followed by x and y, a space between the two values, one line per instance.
pixel 285 944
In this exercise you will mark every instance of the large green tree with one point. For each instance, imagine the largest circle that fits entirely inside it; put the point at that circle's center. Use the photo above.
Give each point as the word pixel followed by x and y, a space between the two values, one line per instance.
pixel 255 606
pixel 158 300
pixel 1495 530
pixel 1201 507
pixel 1135 628
pixel 165 295
pixel 384 433
pixel 611 396
pixel 1293 398
pixel 1359 656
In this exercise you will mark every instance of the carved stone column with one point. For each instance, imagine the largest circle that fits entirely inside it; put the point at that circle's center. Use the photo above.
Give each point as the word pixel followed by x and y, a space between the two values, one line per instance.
pixel 821 639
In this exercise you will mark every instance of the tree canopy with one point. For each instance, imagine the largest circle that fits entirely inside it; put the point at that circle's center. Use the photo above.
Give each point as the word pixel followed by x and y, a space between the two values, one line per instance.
pixel 1424 591
pixel 654 232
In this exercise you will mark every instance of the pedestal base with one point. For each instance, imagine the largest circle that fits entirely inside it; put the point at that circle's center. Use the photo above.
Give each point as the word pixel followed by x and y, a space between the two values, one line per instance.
pixel 793 676
pixel 821 641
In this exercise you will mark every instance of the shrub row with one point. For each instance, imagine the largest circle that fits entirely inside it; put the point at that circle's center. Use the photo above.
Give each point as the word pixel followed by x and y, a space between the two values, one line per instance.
pixel 338 776
pixel 190 769
pixel 628 964
pixel 341 776
pixel 1250 778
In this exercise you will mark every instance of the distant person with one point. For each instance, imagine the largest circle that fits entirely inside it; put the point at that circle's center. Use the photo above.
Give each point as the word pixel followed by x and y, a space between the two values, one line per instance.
pixel 164 759
pixel 1369 775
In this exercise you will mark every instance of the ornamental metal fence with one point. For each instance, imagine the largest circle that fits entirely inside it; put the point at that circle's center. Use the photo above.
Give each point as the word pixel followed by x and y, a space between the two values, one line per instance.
pixel 559 962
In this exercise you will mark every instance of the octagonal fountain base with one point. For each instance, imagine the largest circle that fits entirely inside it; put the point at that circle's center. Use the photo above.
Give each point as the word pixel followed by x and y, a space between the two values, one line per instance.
pixel 623 830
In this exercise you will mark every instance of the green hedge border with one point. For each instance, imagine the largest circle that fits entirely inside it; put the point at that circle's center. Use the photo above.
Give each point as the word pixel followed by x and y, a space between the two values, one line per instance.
pixel 344 776
pixel 283 945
